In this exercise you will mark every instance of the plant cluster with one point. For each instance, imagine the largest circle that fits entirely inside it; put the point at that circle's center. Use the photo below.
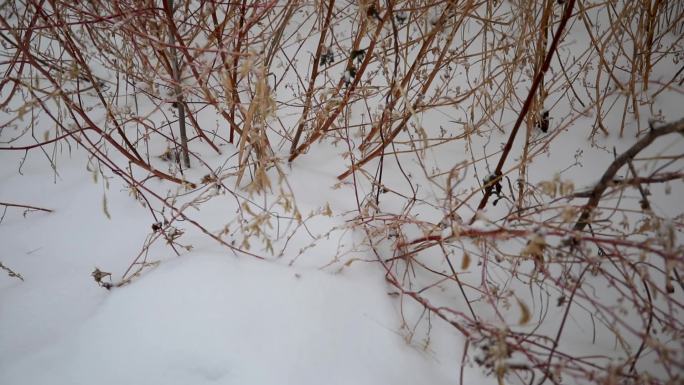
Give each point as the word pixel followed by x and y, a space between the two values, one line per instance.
pixel 443 114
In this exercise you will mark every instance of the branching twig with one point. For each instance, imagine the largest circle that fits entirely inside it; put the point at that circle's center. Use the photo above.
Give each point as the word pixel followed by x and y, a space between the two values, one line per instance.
pixel 25 207
pixel 609 174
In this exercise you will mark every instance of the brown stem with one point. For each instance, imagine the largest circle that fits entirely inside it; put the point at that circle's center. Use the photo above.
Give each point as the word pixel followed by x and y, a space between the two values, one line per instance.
pixel 89 124
pixel 528 102
pixel 180 106
pixel 350 90
pixel 312 80
pixel 408 114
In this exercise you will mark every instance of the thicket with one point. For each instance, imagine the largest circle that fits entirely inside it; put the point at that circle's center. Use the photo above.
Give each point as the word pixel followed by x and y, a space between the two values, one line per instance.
pixel 456 100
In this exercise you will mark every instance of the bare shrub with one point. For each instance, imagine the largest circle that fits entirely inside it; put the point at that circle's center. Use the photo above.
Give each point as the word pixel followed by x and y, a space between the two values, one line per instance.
pixel 443 114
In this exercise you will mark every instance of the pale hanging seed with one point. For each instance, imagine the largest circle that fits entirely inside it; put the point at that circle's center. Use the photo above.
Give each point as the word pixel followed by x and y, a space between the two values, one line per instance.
pixel 465 262
pixel 567 187
pixel 228 88
pixel 524 312
pixel 568 214
pixel 105 210
pixel 264 99
pixel 535 247
pixel 548 188
pixel 327 211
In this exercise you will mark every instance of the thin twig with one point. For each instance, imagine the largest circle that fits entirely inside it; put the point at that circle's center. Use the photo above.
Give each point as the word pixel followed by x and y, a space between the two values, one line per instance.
pixel 26 207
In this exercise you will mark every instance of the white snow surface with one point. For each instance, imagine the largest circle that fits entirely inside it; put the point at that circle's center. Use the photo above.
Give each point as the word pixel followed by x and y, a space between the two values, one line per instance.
pixel 207 318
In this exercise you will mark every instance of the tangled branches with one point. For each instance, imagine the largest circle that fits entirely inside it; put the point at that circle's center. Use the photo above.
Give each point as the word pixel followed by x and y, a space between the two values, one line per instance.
pixel 412 100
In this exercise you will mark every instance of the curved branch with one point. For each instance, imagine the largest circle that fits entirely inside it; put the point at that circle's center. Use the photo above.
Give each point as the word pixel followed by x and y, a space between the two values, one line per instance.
pixel 608 176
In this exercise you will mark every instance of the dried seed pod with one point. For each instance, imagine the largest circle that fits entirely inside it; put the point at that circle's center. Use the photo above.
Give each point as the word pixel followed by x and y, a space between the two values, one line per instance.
pixel 401 17
pixel 373 12
pixel 349 76
pixel 543 122
pixel 327 57
pixel 358 54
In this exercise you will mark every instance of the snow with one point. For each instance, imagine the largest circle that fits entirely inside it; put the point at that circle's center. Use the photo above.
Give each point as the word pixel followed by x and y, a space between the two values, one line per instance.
pixel 207 318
